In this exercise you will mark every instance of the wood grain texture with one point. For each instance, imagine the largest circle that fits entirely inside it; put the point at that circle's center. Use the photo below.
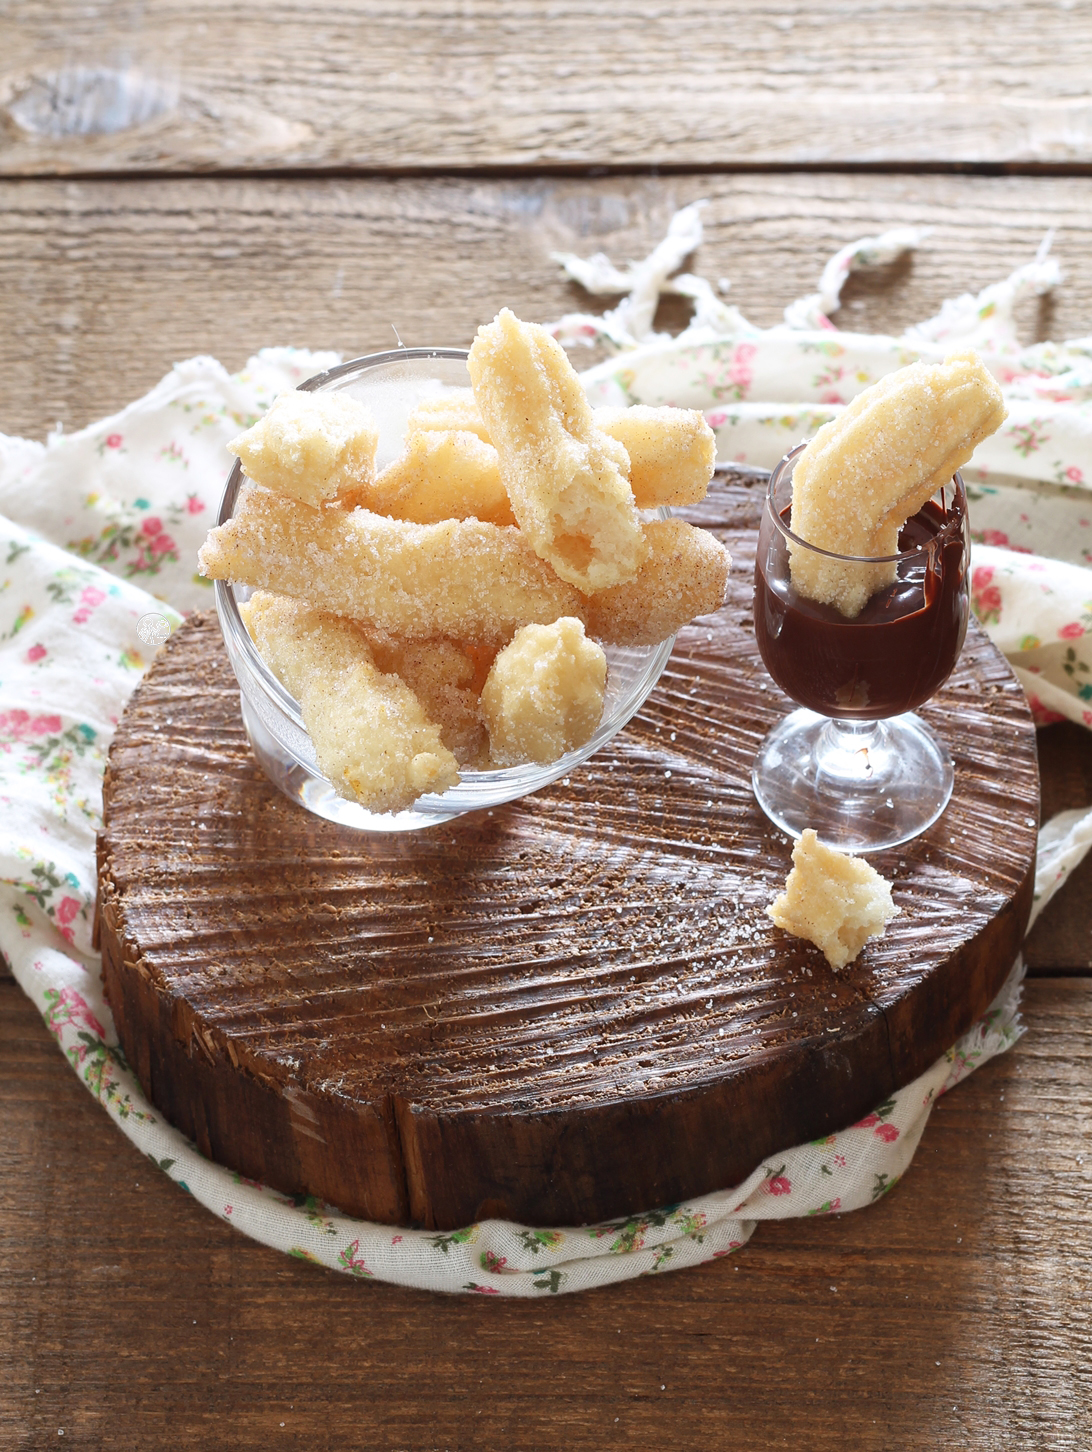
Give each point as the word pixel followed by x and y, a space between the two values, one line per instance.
pixel 1061 940
pixel 104 285
pixel 515 83
pixel 559 1011
pixel 132 1318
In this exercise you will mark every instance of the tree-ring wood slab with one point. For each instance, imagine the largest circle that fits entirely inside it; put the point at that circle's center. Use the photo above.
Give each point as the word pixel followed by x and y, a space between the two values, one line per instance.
pixel 564 1010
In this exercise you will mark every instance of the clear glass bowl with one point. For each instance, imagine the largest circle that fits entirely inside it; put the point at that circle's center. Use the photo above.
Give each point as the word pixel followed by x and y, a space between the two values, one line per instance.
pixel 392 383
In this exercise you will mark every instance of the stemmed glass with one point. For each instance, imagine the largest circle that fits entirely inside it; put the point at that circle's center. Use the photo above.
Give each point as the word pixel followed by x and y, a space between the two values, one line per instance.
pixel 854 762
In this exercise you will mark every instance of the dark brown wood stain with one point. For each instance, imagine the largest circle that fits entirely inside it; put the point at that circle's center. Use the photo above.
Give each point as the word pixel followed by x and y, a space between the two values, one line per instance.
pixel 571 1008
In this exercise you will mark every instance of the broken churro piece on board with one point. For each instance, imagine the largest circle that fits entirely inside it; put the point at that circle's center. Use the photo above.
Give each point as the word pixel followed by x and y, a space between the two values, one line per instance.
pixel 833 900
pixel 311 446
pixel 544 695
pixel 872 468
pixel 371 737
pixel 568 481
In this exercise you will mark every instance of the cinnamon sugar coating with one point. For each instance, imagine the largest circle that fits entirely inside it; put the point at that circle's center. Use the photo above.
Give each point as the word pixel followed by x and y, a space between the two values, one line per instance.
pixel 872 468
pixel 460 578
pixel 568 482
pixel 311 446
pixel 371 737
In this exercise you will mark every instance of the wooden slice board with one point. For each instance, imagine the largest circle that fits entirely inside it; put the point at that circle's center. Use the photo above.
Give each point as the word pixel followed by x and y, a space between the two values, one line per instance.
pixel 567 1009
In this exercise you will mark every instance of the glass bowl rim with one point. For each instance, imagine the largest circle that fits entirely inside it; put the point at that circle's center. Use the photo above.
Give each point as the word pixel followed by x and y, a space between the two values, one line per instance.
pixel 227 609
pixel 951 527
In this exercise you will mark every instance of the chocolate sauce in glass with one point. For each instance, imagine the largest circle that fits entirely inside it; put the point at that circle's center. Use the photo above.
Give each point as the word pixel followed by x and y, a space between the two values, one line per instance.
pixel 890 658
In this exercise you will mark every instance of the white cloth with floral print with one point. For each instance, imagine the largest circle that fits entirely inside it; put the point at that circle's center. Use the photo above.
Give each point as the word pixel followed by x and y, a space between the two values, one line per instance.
pixel 98 529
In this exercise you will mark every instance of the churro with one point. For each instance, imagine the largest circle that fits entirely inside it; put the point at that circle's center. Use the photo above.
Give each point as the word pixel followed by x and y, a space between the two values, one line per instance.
pixel 566 479
pixel 672 451
pixel 441 474
pixel 469 581
pixel 544 695
pixel 311 446
pixel 446 679
pixel 684 574
pixel 833 900
pixel 455 410
pixel 461 578
pixel 868 471
pixel 371 737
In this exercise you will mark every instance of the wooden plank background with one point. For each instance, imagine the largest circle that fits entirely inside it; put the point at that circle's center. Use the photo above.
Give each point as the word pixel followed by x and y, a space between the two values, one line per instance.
pixel 113 281
pixel 407 84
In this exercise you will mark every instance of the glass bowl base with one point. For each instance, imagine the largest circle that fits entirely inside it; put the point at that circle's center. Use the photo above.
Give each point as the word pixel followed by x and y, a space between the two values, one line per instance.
pixel 307 787
pixel 862 785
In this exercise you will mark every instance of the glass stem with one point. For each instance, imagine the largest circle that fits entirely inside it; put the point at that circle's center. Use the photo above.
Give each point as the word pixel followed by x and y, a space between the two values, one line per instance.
pixel 853 741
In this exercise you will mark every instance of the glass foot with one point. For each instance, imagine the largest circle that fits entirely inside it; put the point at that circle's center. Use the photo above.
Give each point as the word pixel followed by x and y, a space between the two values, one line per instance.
pixel 862 785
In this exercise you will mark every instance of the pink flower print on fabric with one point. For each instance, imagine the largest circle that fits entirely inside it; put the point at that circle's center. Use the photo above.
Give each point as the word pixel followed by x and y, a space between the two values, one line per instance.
pixel 739 369
pixel 985 596
pixel 21 725
pixel 887 1132
pixel 776 1182
pixel 1043 715
pixel 999 537
pixel 90 598
pixel 66 1006
pixel 1072 631
pixel 161 542
pixel 194 505
pixel 67 909
pixel 113 441
pixel 35 654
pixel 352 1261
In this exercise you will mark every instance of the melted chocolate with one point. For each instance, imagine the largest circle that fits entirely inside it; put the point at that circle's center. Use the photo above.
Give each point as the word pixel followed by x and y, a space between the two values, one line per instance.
pixel 895 654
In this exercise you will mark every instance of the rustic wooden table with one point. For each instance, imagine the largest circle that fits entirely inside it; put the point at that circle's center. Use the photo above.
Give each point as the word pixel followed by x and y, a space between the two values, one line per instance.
pixel 212 179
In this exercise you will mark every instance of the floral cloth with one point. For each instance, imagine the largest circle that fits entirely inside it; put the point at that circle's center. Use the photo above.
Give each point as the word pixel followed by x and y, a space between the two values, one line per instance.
pixel 100 529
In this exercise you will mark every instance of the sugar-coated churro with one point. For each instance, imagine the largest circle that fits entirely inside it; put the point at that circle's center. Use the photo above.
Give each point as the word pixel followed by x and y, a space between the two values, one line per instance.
pixel 461 578
pixel 311 446
pixel 446 679
pixel 672 451
pixel 441 474
pixel 566 479
pixel 544 694
pixel 684 574
pixel 371 737
pixel 869 470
